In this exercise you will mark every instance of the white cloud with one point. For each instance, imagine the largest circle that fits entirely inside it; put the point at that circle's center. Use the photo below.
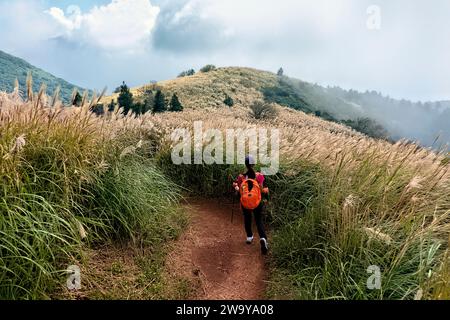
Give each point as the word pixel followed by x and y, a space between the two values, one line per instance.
pixel 120 25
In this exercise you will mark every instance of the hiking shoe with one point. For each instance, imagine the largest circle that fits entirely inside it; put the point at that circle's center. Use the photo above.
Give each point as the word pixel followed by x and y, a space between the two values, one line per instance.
pixel 264 246
pixel 249 240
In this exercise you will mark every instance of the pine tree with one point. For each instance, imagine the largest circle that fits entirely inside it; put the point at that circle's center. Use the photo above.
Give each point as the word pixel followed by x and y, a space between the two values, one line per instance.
pixel 111 106
pixel 159 104
pixel 280 72
pixel 138 108
pixel 148 100
pixel 77 100
pixel 175 104
pixel 229 101
pixel 125 99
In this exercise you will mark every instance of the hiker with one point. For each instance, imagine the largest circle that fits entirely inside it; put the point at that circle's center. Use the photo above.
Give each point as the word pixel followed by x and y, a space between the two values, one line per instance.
pixel 251 186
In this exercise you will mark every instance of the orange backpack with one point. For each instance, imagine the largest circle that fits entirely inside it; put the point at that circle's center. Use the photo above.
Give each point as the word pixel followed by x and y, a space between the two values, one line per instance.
pixel 250 199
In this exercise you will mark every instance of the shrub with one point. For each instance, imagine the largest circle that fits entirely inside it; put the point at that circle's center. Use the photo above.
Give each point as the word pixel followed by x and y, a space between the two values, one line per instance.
pixel 159 102
pixel 263 110
pixel 285 94
pixel 280 72
pixel 368 126
pixel 229 101
pixel 125 98
pixel 208 68
pixel 186 73
pixel 70 179
pixel 175 104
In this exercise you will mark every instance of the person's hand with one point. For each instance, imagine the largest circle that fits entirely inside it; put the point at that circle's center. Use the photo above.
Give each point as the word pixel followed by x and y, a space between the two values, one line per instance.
pixel 266 190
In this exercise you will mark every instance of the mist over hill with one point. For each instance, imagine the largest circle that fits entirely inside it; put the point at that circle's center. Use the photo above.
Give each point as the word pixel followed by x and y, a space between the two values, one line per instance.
pixel 369 112
pixel 427 123
pixel 12 68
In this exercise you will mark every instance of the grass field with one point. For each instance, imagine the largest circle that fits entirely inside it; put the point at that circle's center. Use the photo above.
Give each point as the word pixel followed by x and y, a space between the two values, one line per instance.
pixel 342 202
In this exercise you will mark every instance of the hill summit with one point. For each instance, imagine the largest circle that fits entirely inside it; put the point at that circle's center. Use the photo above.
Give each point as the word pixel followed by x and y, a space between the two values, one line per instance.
pixel 370 112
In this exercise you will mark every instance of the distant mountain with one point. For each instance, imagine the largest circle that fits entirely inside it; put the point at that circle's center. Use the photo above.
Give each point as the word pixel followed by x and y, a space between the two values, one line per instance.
pixel 12 68
pixel 426 122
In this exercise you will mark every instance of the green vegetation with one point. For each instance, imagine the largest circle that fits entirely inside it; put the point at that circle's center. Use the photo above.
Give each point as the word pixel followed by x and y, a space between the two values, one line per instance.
pixel 125 99
pixel 12 68
pixel 280 72
pixel 368 127
pixel 186 73
pixel 68 186
pixel 77 100
pixel 228 101
pixel 286 95
pixel 327 230
pixel 302 96
pixel 160 102
pixel 175 104
pixel 262 110
pixel 208 68
pixel 339 204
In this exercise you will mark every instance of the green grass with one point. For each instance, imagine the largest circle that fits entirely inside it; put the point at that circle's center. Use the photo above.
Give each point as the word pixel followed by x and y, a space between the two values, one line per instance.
pixel 70 182
pixel 321 247
pixel 132 201
pixel 319 220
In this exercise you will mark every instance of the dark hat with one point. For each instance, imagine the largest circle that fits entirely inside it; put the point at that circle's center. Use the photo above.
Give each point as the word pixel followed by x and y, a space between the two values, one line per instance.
pixel 249 160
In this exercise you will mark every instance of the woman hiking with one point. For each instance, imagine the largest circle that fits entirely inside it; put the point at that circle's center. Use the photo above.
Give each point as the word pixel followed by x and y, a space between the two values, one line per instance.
pixel 251 186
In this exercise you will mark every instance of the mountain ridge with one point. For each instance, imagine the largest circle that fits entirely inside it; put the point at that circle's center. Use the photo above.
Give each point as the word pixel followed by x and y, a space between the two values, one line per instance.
pixel 401 119
pixel 12 68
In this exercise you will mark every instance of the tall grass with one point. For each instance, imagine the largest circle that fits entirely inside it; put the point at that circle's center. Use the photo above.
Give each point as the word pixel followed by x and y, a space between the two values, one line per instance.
pixel 70 179
pixel 341 203
pixel 350 225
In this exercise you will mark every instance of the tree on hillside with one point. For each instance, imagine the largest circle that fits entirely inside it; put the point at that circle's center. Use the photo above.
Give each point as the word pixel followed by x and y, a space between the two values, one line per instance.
pixel 368 126
pixel 208 68
pixel 187 73
pixel 159 104
pixel 125 99
pixel 98 109
pixel 149 101
pixel 175 104
pixel 229 101
pixel 112 106
pixel 77 100
pixel 138 108
pixel 280 72
pixel 263 110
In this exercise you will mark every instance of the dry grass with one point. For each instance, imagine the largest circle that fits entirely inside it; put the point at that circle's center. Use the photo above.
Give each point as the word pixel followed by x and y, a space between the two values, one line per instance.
pixel 375 201
pixel 70 179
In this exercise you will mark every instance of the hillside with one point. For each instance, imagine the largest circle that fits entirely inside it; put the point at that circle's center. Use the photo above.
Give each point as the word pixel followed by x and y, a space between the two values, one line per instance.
pixel 389 118
pixel 103 193
pixel 12 68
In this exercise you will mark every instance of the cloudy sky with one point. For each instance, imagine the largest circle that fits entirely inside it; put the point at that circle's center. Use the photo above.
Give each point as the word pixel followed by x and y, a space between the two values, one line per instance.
pixel 398 47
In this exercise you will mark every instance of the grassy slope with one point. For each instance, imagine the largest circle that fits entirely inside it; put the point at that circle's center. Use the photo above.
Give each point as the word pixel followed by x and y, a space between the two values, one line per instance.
pixel 12 68
pixel 341 202
pixel 245 85
pixel 334 184
pixel 210 89
pixel 72 181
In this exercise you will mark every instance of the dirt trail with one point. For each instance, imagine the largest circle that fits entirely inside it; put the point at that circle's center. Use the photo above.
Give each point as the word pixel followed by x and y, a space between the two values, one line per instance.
pixel 213 250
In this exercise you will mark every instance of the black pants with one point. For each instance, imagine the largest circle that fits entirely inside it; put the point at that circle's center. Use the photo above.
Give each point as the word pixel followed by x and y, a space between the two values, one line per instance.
pixel 258 212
